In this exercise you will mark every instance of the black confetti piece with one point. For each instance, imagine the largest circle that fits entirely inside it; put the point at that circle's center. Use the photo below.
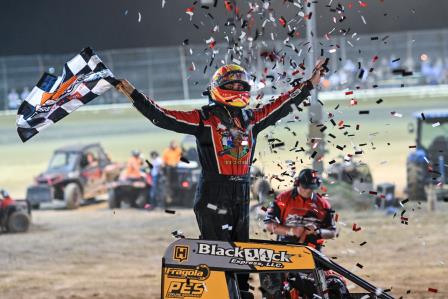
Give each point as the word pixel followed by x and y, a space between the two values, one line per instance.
pixel 185 160
pixel 149 164
pixel 170 211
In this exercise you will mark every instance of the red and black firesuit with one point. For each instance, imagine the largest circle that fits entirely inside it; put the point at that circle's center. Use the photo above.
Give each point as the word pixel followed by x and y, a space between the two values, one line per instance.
pixel 225 138
pixel 291 209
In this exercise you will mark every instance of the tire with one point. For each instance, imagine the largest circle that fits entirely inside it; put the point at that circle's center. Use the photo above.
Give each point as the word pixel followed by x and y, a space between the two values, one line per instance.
pixel 72 196
pixel 18 222
pixel 337 288
pixel 114 201
pixel 416 179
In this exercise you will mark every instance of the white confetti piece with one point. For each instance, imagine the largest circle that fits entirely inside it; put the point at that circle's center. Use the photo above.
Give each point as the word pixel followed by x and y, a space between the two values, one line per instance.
pixel 363 20
pixel 212 207
pixel 139 17
pixel 436 124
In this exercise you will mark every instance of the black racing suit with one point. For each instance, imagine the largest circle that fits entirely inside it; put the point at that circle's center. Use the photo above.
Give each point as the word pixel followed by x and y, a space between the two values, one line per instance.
pixel 225 139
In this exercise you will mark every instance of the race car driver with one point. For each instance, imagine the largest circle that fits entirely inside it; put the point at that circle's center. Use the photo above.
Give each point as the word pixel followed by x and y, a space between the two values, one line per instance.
pixel 226 132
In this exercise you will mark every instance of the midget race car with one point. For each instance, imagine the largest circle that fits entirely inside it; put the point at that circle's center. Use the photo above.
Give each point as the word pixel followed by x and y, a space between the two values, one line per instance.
pixel 207 269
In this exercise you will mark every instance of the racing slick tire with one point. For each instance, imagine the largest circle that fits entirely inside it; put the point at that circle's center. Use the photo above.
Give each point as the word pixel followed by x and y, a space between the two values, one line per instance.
pixel 337 288
pixel 72 196
pixel 18 222
pixel 114 201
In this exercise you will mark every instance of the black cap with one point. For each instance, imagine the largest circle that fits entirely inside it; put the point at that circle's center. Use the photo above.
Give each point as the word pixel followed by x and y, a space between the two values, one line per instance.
pixel 308 179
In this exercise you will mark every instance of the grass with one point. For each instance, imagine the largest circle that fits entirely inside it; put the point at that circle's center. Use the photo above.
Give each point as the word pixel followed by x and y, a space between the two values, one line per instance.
pixel 120 131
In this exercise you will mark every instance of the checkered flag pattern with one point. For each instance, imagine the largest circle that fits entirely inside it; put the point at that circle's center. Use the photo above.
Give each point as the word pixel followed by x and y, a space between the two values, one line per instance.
pixel 84 78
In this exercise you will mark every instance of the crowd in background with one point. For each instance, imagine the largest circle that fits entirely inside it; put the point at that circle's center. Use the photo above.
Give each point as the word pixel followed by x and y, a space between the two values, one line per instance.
pixel 15 99
pixel 351 73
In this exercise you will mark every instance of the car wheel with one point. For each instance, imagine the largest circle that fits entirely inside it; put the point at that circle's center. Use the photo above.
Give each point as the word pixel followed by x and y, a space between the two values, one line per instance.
pixel 18 222
pixel 72 196
pixel 114 201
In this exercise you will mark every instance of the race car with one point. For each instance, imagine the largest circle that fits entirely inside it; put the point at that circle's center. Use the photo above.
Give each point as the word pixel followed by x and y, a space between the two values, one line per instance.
pixel 207 269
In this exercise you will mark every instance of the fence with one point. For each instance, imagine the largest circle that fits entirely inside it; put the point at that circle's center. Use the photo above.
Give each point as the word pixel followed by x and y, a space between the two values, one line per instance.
pixel 173 73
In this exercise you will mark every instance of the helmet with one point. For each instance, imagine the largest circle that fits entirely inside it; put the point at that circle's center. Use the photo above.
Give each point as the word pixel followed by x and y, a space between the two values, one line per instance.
pixel 135 153
pixel 226 74
pixel 308 179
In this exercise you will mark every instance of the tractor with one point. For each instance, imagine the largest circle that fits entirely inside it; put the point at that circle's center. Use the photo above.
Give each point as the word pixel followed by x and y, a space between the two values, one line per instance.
pixel 427 164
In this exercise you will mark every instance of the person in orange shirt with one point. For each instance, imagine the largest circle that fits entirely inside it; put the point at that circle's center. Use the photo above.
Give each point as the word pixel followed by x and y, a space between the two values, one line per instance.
pixel 171 155
pixel 133 166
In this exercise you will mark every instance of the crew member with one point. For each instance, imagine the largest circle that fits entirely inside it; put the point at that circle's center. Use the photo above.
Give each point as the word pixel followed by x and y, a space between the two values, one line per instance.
pixel 301 216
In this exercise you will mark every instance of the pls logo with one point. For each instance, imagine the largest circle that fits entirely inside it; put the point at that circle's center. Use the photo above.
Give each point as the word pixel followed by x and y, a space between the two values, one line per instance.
pixel 247 254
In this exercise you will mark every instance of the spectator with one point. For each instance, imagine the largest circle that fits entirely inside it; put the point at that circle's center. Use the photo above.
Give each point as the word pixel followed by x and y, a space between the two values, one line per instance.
pixel 25 93
pixel 133 166
pixel 89 160
pixel 13 99
pixel 154 193
pixel 171 155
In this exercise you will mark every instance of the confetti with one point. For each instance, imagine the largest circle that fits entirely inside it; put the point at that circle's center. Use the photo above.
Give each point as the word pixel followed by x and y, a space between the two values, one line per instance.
pixel 432 290
pixel 149 164
pixel 170 211
pixel 356 228
pixel 185 160
pixel 178 234
pixel 282 21
pixel 212 206
pixel 436 124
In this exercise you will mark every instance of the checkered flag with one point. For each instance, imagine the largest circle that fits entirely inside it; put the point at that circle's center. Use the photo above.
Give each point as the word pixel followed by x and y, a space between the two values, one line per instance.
pixel 84 78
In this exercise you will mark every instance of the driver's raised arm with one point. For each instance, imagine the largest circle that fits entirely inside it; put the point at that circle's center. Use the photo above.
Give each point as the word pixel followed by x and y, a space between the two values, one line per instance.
pixel 272 112
pixel 187 122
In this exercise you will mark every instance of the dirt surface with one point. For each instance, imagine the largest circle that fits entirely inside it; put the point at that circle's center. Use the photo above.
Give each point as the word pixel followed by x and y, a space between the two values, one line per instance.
pixel 94 252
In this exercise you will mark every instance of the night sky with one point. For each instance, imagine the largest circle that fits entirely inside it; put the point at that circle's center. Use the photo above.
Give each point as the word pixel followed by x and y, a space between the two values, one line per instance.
pixel 60 26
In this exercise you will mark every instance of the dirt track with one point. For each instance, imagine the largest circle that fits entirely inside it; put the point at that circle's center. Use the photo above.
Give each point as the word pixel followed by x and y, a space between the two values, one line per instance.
pixel 96 253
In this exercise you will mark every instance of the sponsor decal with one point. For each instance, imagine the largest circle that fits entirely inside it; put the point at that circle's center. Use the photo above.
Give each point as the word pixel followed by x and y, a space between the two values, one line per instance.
pixel 295 93
pixel 182 289
pixel 261 257
pixel 181 253
pixel 201 272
